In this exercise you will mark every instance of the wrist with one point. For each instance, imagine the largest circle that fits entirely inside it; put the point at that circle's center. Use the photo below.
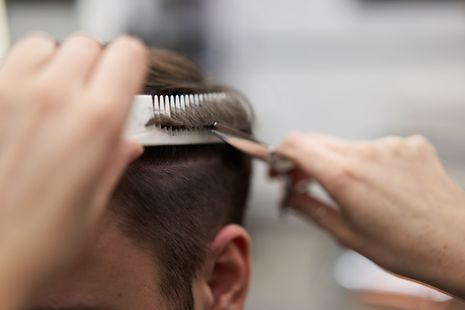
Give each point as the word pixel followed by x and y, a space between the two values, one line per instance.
pixel 450 277
pixel 446 269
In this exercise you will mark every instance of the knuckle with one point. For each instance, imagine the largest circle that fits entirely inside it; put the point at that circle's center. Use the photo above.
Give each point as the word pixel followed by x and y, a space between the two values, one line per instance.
pixel 79 35
pixel 419 141
pixel 83 41
pixel 36 38
pixel 134 46
pixel 293 140
pixel 419 144
pixel 393 144
pixel 367 151
pixel 35 47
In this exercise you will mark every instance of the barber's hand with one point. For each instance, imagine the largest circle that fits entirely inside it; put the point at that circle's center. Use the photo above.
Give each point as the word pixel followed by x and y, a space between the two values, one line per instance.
pixel 395 203
pixel 62 110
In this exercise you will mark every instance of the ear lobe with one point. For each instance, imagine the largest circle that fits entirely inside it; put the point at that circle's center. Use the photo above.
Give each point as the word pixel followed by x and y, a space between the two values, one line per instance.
pixel 229 274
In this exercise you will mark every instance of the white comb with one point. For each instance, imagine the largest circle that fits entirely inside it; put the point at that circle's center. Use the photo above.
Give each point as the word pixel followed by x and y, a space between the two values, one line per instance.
pixel 147 107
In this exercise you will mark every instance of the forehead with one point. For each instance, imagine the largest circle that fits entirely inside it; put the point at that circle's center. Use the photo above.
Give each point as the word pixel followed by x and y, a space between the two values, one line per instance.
pixel 111 272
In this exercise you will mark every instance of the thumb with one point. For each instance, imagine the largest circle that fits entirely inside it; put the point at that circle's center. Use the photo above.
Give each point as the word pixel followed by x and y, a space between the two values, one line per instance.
pixel 315 156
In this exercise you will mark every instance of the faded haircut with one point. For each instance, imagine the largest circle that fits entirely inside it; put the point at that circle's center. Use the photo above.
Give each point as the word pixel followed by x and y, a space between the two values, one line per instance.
pixel 173 200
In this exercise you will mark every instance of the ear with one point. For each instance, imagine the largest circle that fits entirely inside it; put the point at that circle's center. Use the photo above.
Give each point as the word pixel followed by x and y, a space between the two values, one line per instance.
pixel 227 273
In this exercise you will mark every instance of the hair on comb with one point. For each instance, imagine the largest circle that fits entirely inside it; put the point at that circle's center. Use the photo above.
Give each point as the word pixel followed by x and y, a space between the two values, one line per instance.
pixel 186 118
pixel 199 111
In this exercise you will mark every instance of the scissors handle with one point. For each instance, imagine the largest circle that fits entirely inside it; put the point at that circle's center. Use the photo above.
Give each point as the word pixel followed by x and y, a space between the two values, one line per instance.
pixel 251 146
pixel 280 164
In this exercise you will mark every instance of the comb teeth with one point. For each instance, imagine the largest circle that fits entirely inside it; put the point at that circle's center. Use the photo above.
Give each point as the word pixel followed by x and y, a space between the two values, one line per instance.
pixel 148 112
pixel 169 106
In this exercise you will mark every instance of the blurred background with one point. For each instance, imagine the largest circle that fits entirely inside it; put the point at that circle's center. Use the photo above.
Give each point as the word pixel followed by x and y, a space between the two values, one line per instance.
pixel 360 69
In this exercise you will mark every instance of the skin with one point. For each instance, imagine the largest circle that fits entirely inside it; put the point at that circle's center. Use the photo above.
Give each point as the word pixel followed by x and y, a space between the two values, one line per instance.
pixel 113 272
pixel 383 301
pixel 62 110
pixel 394 203
pixel 110 272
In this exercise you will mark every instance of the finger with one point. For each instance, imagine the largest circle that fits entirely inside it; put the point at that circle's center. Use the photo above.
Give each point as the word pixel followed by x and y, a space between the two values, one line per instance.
pixel 325 216
pixel 74 60
pixel 119 76
pixel 334 143
pixel 28 55
pixel 313 157
pixel 126 152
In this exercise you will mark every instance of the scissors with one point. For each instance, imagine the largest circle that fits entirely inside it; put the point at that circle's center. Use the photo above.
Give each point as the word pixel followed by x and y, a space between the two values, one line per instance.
pixel 253 147
pixel 246 143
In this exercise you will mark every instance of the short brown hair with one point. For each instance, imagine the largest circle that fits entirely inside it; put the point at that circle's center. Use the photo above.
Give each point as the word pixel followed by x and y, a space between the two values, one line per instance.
pixel 174 199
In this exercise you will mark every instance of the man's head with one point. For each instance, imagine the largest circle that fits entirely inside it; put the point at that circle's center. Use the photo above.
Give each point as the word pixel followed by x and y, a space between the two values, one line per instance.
pixel 170 238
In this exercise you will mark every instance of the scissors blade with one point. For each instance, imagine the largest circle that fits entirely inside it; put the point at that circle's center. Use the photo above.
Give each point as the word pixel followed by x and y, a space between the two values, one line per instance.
pixel 243 143
pixel 249 145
